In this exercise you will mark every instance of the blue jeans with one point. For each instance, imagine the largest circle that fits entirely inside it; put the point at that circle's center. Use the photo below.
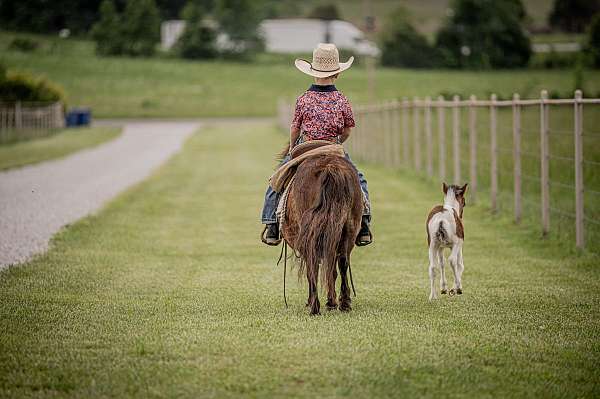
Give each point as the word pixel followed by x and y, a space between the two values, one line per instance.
pixel 272 197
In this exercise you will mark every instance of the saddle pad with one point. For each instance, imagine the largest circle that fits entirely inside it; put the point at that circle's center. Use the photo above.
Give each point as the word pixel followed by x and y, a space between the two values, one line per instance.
pixel 282 176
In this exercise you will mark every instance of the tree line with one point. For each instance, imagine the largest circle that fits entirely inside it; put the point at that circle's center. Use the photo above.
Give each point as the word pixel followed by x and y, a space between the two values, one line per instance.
pixel 484 34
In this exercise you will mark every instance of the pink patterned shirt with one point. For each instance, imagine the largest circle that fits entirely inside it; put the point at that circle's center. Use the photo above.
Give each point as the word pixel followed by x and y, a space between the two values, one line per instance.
pixel 322 113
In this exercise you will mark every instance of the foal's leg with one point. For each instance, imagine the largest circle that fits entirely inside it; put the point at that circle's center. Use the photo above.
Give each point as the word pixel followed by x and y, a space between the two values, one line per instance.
pixel 313 296
pixel 331 297
pixel 453 259
pixel 345 301
pixel 460 269
pixel 432 262
pixel 443 282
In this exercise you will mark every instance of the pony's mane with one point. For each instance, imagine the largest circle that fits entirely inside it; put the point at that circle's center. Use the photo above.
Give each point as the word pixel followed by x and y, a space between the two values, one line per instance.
pixel 280 155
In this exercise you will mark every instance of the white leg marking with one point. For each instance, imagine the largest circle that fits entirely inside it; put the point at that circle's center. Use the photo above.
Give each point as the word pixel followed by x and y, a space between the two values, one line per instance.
pixel 432 261
pixel 461 266
pixel 443 283
pixel 453 259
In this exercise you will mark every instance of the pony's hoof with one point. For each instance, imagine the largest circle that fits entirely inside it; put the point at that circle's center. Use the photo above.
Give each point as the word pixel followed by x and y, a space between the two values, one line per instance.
pixel 345 307
pixel 459 291
pixel 444 292
pixel 331 307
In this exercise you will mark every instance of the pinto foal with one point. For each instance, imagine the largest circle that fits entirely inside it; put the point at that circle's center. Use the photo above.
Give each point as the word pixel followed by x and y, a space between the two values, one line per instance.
pixel 445 230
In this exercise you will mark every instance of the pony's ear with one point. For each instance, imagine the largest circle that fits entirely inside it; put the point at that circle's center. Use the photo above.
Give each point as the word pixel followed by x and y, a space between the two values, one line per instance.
pixel 445 188
pixel 463 189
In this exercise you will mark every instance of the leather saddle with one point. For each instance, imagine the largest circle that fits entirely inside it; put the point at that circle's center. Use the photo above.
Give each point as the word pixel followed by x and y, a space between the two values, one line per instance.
pixel 299 153
pixel 307 146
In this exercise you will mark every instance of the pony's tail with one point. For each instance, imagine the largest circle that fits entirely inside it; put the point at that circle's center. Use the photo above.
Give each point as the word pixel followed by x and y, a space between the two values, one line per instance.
pixel 322 224
pixel 283 152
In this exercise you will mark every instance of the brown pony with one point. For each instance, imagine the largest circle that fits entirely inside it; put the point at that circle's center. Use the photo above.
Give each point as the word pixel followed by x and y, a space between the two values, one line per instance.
pixel 324 210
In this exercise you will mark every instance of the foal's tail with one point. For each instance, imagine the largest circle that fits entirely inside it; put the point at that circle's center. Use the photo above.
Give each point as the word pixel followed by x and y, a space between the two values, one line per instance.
pixel 322 225
pixel 440 234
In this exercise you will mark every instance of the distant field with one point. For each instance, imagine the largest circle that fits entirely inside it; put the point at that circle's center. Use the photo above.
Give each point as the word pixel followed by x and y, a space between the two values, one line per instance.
pixel 57 145
pixel 162 87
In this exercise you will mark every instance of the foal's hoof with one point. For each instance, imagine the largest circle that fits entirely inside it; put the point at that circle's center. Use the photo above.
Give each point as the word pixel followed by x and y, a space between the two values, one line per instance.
pixel 345 307
pixel 444 292
pixel 459 291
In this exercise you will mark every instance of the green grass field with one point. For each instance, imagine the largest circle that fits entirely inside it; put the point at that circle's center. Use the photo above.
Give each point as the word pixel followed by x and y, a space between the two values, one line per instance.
pixel 170 88
pixel 57 145
pixel 168 292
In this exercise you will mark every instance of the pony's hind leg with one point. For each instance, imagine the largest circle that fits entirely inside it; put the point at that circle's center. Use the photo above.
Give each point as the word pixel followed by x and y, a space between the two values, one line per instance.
pixel 345 300
pixel 331 297
pixel 313 295
pixel 443 282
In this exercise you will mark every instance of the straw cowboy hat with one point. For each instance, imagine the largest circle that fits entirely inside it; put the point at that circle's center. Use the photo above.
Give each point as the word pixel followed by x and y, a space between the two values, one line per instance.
pixel 325 63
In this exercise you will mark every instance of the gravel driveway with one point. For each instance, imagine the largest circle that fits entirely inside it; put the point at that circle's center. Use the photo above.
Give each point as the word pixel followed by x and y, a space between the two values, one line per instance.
pixel 36 201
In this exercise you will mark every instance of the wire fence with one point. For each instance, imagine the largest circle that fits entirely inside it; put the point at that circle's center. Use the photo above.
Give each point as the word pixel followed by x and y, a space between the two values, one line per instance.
pixel 537 158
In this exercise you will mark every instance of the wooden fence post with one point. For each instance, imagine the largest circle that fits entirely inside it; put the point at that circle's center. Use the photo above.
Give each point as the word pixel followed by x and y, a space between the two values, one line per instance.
pixel 456 138
pixel 417 134
pixel 473 148
pixel 396 132
pixel 578 117
pixel 516 108
pixel 429 136
pixel 441 137
pixel 405 132
pixel 493 155
pixel 387 138
pixel 18 116
pixel 544 167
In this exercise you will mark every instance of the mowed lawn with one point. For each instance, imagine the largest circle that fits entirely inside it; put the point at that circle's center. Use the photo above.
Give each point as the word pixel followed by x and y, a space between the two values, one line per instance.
pixel 168 292
pixel 171 88
pixel 56 145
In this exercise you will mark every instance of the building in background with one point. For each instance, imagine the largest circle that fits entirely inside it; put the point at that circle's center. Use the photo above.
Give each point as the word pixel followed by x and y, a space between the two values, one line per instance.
pixel 292 36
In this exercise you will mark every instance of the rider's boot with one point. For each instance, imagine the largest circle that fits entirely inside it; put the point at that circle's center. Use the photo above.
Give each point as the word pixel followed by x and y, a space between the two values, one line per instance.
pixel 272 234
pixel 364 235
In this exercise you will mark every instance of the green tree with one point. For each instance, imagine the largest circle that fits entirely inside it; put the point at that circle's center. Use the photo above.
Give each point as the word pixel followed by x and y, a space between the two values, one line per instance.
pixel 403 46
pixel 485 34
pixel 573 15
pixel 43 16
pixel 197 40
pixel 281 8
pixel 239 19
pixel 593 42
pixel 326 11
pixel 141 27
pixel 107 31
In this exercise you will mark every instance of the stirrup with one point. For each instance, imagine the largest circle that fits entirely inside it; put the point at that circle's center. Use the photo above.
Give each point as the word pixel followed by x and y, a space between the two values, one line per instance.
pixel 359 243
pixel 264 239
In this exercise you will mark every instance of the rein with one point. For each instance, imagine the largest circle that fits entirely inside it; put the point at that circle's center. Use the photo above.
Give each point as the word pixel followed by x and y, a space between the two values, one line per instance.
pixel 283 255
pixel 351 280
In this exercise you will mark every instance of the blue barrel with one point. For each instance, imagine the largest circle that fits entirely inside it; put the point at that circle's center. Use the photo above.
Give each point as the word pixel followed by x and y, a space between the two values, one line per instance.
pixel 71 119
pixel 84 117
pixel 78 117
